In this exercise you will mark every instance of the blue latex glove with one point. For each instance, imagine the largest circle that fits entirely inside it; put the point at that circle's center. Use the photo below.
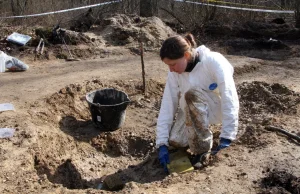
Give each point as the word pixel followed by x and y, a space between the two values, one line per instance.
pixel 163 156
pixel 224 143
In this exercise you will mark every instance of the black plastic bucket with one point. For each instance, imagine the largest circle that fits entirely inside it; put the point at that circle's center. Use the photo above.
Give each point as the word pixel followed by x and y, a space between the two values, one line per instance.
pixel 108 108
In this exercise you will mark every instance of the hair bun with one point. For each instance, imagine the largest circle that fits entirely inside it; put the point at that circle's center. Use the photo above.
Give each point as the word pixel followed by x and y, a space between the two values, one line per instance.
pixel 190 39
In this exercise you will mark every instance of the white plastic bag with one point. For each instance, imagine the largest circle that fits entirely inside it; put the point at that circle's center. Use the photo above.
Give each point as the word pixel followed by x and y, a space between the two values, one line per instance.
pixel 11 63
pixel 2 62
pixel 6 132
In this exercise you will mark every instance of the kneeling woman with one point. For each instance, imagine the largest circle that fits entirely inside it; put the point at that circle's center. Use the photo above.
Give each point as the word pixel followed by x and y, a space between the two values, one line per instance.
pixel 201 83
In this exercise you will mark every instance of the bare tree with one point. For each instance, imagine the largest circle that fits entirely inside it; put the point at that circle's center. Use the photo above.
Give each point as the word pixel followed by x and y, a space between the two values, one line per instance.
pixel 148 8
pixel 297 13
pixel 18 7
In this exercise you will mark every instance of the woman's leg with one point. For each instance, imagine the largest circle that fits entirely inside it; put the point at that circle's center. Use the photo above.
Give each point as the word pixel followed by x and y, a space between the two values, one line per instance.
pixel 199 136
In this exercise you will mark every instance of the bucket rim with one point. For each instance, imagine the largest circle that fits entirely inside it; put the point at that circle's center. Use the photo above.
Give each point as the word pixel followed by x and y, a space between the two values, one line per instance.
pixel 100 105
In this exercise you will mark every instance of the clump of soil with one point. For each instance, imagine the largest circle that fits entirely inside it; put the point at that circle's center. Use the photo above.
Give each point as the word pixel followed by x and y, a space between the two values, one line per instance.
pixel 260 97
pixel 127 144
pixel 281 182
pixel 252 138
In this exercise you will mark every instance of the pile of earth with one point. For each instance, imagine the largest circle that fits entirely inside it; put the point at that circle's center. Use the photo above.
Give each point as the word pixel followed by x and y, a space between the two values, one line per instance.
pixel 256 39
pixel 69 110
pixel 260 104
pixel 113 30
pixel 253 30
pixel 67 113
pixel 54 47
pixel 120 29
pixel 261 48
pixel 258 44
pixel 263 98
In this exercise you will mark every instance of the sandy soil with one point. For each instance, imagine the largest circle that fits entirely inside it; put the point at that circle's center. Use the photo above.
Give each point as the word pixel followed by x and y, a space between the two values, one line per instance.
pixel 57 149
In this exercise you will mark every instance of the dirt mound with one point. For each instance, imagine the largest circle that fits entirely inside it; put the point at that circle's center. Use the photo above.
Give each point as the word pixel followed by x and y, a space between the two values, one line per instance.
pixel 258 48
pixel 55 37
pixel 73 138
pixel 244 44
pixel 122 29
pixel 116 30
pixel 253 30
pixel 260 97
pixel 69 109
pixel 281 182
pixel 259 103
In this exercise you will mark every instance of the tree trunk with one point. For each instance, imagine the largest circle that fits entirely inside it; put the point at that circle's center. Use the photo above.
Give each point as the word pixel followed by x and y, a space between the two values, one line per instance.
pixel 283 4
pixel 148 8
pixel 297 13
pixel 18 7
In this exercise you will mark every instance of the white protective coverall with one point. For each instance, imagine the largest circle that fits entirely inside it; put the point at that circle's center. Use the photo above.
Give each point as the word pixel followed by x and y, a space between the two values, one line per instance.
pixel 220 105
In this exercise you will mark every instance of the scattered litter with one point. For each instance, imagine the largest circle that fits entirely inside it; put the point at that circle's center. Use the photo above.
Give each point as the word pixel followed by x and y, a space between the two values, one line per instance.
pixel 2 62
pixel 6 132
pixel 20 39
pixel 40 48
pixel 11 63
pixel 100 186
pixel 6 107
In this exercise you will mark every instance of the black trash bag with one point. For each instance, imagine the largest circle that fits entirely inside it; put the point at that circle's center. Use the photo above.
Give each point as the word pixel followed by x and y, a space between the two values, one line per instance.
pixel 108 108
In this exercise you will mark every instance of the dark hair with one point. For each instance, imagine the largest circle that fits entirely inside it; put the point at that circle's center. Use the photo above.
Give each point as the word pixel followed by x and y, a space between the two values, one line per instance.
pixel 174 47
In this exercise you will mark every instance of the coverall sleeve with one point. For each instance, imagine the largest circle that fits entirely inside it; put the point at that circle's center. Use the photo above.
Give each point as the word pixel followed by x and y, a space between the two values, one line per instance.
pixel 168 109
pixel 222 72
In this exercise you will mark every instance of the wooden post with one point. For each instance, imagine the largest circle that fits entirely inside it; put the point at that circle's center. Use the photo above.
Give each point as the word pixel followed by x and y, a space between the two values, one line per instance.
pixel 143 67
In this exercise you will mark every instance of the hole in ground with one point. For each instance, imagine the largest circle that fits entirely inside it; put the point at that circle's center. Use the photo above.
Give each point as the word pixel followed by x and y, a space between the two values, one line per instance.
pixel 65 174
pixel 70 158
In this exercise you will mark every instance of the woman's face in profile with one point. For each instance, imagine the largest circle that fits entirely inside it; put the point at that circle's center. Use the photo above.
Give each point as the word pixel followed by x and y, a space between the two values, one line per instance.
pixel 176 65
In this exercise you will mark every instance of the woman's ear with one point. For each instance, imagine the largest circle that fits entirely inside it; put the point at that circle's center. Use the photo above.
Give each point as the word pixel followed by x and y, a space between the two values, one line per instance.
pixel 187 55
